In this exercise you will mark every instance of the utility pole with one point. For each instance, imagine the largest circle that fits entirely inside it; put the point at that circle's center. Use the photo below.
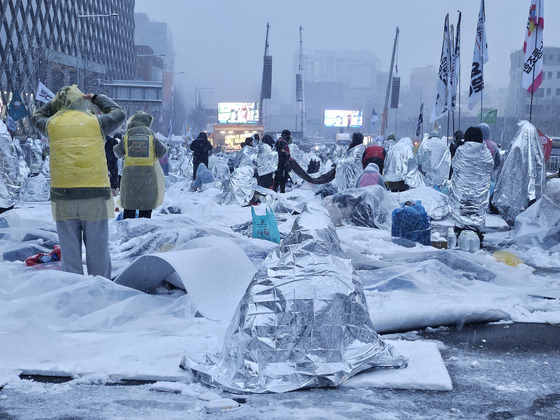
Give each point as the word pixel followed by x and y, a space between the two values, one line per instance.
pixel 267 67
pixel 299 85
pixel 385 117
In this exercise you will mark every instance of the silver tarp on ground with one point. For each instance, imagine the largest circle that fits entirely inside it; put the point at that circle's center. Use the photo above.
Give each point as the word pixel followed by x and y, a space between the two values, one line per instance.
pixel 368 206
pixel 539 225
pixel 349 168
pixel 267 159
pixel 11 180
pixel 523 175
pixel 435 203
pixel 303 321
pixel 470 185
pixel 243 184
pixel 400 164
pixel 434 159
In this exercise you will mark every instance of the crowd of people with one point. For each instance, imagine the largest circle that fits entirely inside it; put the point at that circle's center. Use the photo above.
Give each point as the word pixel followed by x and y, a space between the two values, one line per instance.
pixel 88 167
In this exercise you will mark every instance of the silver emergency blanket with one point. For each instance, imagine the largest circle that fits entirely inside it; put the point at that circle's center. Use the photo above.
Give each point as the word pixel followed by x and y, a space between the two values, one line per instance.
pixel 470 185
pixel 36 188
pixel 539 225
pixel 267 159
pixel 434 159
pixel 349 168
pixel 243 184
pixel 303 321
pixel 434 202
pixel 11 180
pixel 247 156
pixel 368 206
pixel 221 173
pixel 523 174
pixel 400 164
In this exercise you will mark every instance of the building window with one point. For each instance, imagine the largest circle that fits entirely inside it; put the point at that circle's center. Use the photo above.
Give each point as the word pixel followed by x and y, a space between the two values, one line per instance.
pixel 548 91
pixel 558 74
pixel 549 75
pixel 557 91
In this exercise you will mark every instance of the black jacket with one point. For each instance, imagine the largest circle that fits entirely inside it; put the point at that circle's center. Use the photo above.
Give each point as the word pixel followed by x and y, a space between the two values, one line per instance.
pixel 201 148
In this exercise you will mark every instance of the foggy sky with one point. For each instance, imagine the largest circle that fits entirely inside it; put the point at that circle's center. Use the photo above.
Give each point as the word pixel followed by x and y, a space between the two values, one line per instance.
pixel 219 44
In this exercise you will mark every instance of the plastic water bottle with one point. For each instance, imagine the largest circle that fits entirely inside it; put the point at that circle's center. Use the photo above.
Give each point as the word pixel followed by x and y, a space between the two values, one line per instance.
pixel 451 239
pixel 469 241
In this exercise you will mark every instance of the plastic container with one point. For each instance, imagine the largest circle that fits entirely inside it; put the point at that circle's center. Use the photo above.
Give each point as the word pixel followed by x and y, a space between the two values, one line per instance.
pixel 469 241
pixel 451 238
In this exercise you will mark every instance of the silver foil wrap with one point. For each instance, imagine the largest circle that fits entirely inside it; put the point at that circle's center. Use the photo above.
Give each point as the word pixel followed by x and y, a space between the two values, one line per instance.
pixel 434 157
pixel 267 159
pixel 221 174
pixel 243 184
pixel 247 156
pixel 400 164
pixel 523 175
pixel 10 175
pixel 303 321
pixel 470 185
pixel 368 206
pixel 349 168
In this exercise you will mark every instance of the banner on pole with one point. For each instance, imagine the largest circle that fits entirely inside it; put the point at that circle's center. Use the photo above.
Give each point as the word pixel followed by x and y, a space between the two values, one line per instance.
pixel 489 117
pixel 440 108
pixel 480 57
pixel 455 66
pixel 43 93
pixel 420 121
pixel 533 47
pixel 374 119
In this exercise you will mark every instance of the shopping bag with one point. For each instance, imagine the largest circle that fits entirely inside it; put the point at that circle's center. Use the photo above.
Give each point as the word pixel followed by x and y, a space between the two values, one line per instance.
pixel 265 227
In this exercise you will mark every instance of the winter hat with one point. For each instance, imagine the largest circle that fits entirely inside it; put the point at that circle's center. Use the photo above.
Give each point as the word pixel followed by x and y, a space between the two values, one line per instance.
pixel 473 134
pixel 459 135
pixel 286 134
pixel 485 128
pixel 391 136
pixel 357 138
pixel 203 136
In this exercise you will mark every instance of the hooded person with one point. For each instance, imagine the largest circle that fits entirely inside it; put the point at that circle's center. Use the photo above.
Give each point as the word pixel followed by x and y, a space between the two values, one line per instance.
pixel 142 182
pixel 434 159
pixel 267 161
pixel 201 148
pixel 370 176
pixel 374 153
pixel 458 140
pixel 80 190
pixel 470 183
pixel 204 178
pixel 401 169
pixel 522 178
pixel 283 170
pixel 349 166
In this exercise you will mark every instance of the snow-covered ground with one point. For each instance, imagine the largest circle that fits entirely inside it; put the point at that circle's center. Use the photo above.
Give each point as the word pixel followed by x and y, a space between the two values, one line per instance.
pixel 99 332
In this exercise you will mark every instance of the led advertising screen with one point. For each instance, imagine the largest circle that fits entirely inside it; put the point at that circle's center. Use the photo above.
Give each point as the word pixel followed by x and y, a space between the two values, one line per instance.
pixel 238 112
pixel 339 118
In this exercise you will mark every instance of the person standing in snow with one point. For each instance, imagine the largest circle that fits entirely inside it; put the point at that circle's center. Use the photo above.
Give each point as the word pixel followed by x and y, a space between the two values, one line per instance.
pixel 283 169
pixel 201 148
pixel 112 167
pixel 143 182
pixel 470 183
pixel 80 190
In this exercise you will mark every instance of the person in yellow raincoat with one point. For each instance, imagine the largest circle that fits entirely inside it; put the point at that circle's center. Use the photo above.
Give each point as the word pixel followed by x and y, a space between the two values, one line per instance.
pixel 80 191
pixel 142 182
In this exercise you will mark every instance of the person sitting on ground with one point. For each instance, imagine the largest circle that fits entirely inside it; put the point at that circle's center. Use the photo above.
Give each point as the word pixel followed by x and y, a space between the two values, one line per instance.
pixel 204 178
pixel 370 176
pixel 142 182
pixel 374 154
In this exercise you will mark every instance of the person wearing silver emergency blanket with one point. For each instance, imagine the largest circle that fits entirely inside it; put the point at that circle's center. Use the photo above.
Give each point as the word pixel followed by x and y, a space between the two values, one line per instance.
pixel 523 175
pixel 267 161
pixel 349 166
pixel 243 184
pixel 401 169
pixel 10 176
pixel 303 321
pixel 470 183
pixel 434 159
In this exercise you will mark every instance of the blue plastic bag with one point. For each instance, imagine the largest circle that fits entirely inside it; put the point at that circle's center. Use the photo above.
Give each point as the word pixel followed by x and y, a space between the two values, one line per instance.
pixel 413 223
pixel 265 227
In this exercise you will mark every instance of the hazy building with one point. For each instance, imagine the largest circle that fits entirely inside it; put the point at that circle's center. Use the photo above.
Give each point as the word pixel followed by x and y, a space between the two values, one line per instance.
pixel 345 80
pixel 62 43
pixel 547 97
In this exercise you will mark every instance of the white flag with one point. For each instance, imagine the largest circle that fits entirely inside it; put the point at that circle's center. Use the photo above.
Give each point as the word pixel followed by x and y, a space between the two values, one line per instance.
pixel 480 57
pixel 440 107
pixel 43 93
pixel 455 67
pixel 533 47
